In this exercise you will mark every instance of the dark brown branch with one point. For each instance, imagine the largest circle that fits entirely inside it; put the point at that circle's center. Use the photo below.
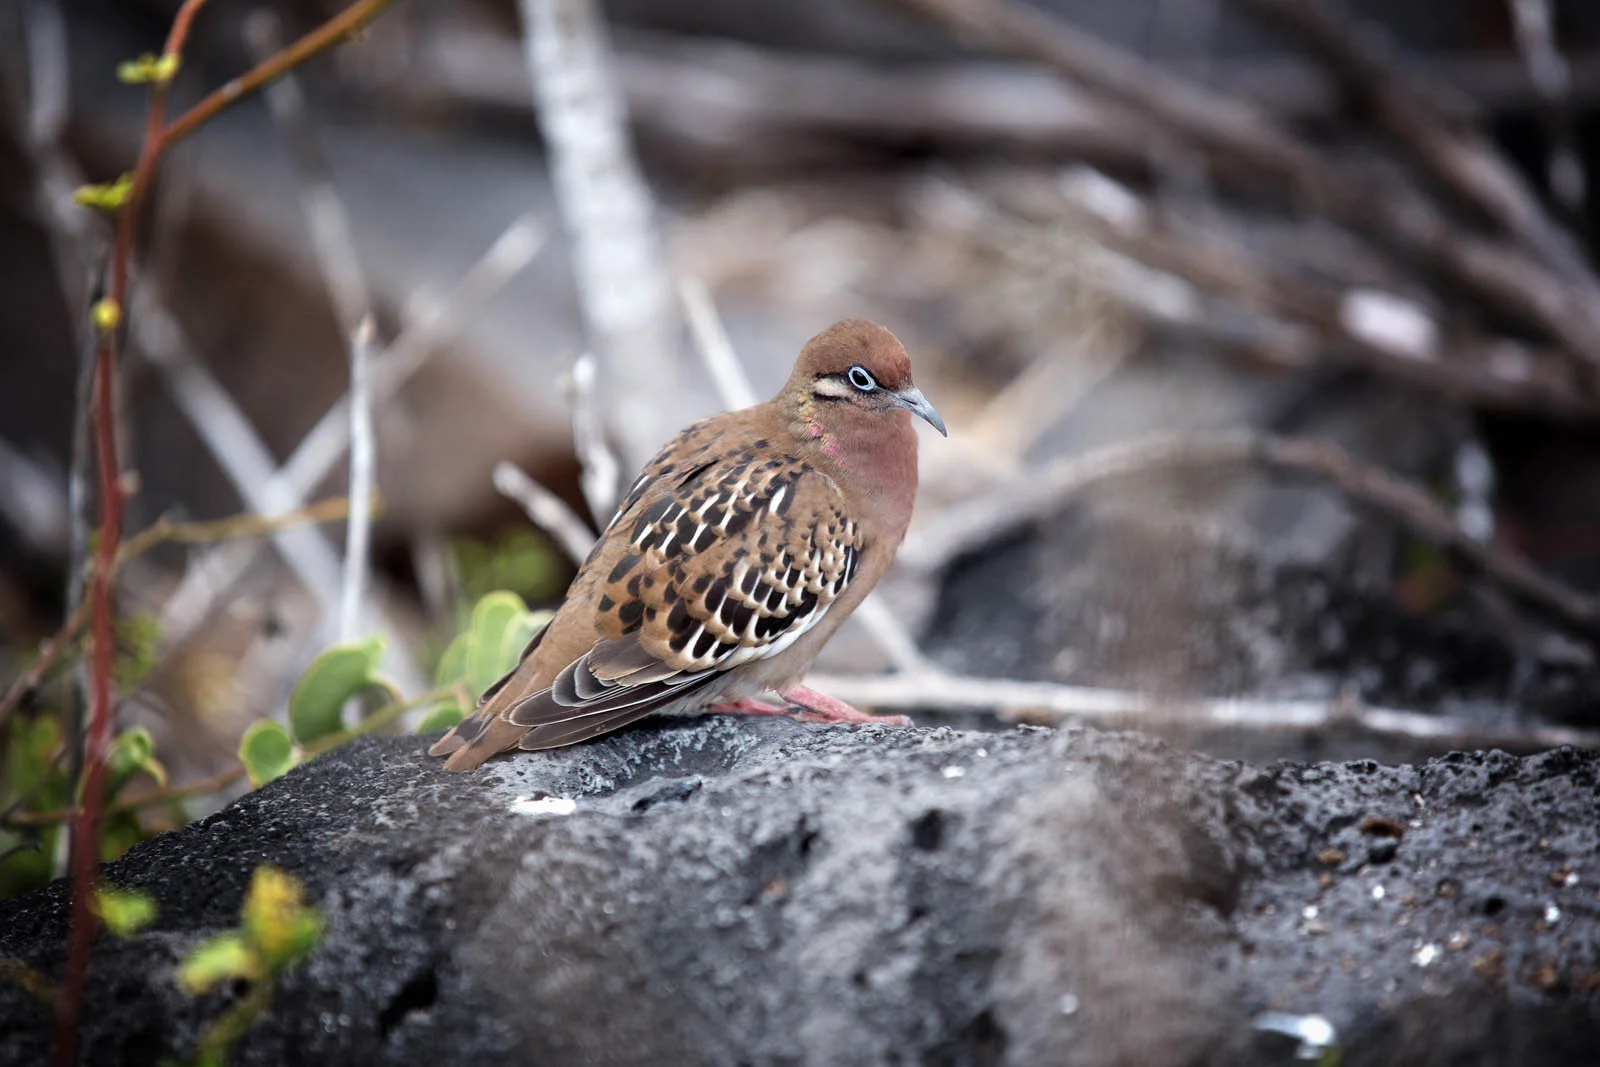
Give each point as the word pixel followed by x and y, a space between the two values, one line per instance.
pixel 1298 321
pixel 1231 131
pixel 1454 155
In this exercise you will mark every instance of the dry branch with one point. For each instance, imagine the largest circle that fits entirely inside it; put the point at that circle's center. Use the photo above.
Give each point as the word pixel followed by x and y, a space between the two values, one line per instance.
pixel 363 481
pixel 598 463
pixel 976 522
pixel 1226 129
pixel 1455 155
pixel 1394 335
pixel 607 210
pixel 320 450
pixel 748 100
pixel 1048 703
pixel 545 510
pixel 1552 78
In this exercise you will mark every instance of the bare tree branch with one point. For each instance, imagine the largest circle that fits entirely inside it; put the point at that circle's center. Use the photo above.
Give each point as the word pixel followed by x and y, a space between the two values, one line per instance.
pixel 1391 334
pixel 596 460
pixel 716 351
pixel 1456 156
pixel 314 458
pixel 607 209
pixel 974 523
pixel 1236 133
pixel 546 510
pixel 1049 703
pixel 1552 79
pixel 363 455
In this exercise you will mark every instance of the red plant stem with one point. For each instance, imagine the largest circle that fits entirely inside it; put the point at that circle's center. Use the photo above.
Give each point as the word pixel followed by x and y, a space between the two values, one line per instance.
pixel 157 138
pixel 85 851
pixel 345 24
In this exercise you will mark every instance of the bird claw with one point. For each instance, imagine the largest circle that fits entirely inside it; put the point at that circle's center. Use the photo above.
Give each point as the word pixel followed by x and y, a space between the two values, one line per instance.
pixel 819 707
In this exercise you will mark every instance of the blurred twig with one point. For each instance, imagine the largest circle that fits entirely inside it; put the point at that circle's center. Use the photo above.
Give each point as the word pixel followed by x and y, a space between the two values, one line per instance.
pixel 214 784
pixel 314 458
pixel 599 468
pixel 546 510
pixel 1049 703
pixel 968 526
pixel 1456 156
pixel 164 531
pixel 1551 75
pixel 358 531
pixel 711 341
pixel 1279 313
pixel 72 231
pixel 1246 137
pixel 233 441
pixel 606 208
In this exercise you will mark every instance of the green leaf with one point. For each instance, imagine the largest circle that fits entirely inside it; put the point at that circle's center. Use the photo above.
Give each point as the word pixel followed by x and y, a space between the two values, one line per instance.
pixel 265 751
pixel 31 744
pixel 138 637
pixel 105 196
pixel 277 923
pixel 453 664
pixel 523 561
pixel 316 707
pixel 149 69
pixel 132 753
pixel 220 959
pixel 518 634
pixel 491 619
pixel 442 717
pixel 124 911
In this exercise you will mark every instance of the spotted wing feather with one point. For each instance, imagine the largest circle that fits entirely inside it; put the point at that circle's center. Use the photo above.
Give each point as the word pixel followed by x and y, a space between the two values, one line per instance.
pixel 734 564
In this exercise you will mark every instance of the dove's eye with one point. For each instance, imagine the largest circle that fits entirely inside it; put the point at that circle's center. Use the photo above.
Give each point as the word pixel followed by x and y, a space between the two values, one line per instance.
pixel 862 379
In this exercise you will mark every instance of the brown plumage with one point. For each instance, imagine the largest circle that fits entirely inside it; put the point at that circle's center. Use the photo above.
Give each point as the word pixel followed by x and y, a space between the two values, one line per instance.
pixel 740 549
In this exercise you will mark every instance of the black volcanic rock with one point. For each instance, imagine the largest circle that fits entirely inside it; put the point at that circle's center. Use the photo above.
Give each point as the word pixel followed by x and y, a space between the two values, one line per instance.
pixel 760 892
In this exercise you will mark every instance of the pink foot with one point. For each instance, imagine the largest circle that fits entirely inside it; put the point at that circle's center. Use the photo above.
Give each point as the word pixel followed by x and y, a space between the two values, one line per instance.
pixel 824 708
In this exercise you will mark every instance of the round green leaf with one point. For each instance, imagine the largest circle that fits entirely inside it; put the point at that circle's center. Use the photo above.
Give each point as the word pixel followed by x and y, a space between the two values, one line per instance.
pixel 453 664
pixel 221 959
pixel 265 751
pixel 442 717
pixel 124 911
pixel 491 618
pixel 519 635
pixel 133 752
pixel 316 707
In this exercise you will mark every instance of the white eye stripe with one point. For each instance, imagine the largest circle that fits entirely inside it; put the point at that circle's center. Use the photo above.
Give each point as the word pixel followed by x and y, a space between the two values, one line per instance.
pixel 832 387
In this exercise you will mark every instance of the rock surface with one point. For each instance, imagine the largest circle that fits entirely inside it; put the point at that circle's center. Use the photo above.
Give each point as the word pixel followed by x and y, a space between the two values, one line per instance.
pixel 762 892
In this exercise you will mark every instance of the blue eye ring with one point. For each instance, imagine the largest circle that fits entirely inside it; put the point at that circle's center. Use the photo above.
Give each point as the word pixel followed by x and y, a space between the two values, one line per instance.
pixel 862 379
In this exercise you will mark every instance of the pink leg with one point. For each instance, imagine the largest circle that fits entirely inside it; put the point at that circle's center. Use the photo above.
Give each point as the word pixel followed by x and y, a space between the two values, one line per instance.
pixel 747 706
pixel 819 707
pixel 824 708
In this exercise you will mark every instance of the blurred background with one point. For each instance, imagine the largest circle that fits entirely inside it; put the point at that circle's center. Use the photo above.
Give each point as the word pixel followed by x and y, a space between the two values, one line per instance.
pixel 1226 223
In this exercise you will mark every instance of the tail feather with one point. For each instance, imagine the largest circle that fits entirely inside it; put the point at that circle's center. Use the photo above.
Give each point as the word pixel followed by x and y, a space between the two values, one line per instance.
pixel 561 734
pixel 461 733
pixel 492 740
